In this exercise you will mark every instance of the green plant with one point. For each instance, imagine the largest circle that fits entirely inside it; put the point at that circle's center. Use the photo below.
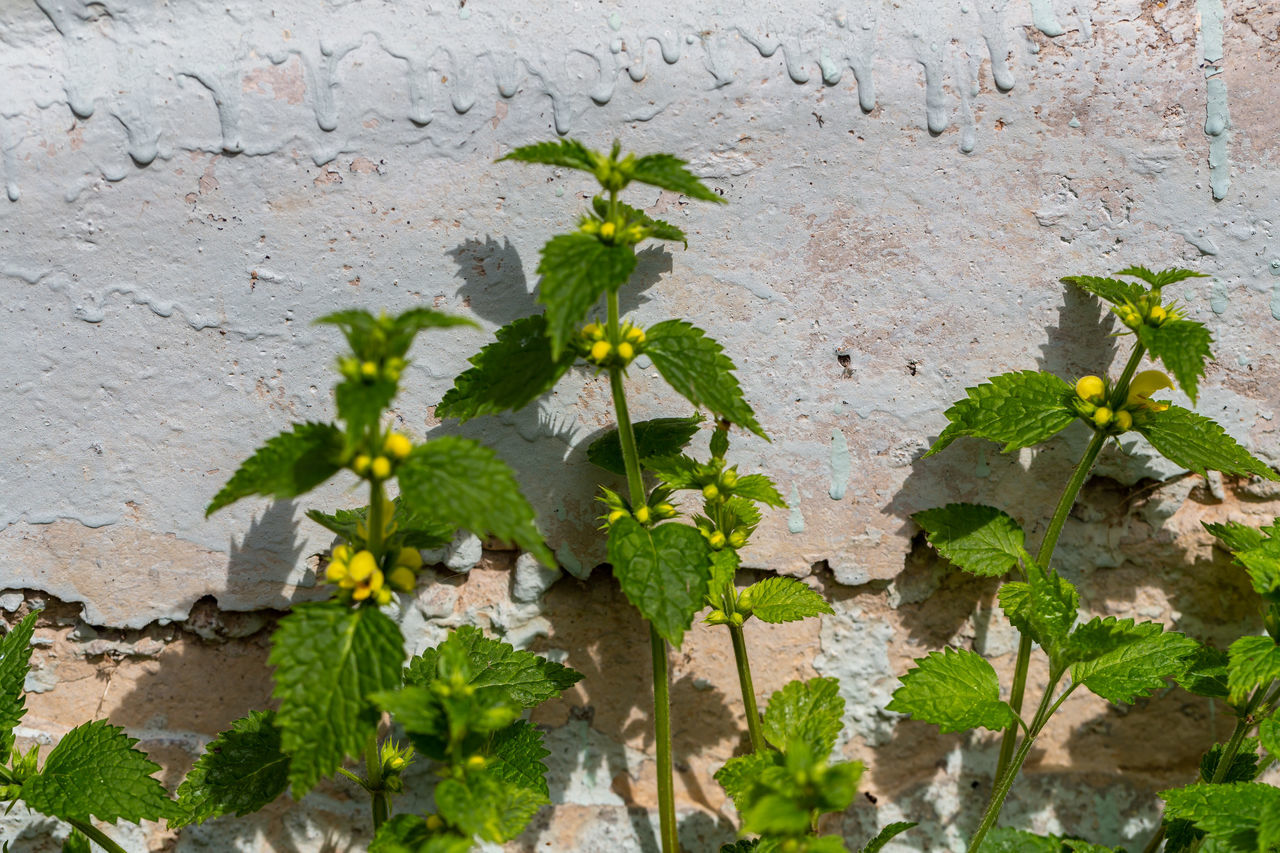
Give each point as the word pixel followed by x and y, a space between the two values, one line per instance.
pixel 1117 659
pixel 340 663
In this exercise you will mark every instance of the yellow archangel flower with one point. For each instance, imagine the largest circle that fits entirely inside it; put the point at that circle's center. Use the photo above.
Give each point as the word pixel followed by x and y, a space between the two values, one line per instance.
pixel 1143 386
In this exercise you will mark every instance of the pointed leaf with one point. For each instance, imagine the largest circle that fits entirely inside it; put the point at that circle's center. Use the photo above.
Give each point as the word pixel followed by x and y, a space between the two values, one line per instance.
pixel 669 173
pixel 465 484
pixel 527 679
pixel 240 771
pixel 483 805
pixel 328 658
pixel 759 488
pixel 742 773
pixel 1197 443
pixel 979 539
pixel 408 833
pixel 955 690
pixel 15 660
pixel 808 712
pixel 1183 347
pixel 516 754
pixel 1230 813
pixel 1108 289
pixel 1137 667
pixel 1253 662
pixel 567 153
pixel 1161 278
pixel 660 437
pixel 361 402
pixel 94 772
pixel 1016 409
pixel 1099 636
pixel 1262 563
pixel 724 570
pixel 657 228
pixel 1206 673
pixel 697 369
pixel 663 571
pixel 1235 536
pixel 576 270
pixel 508 374
pixel 1045 608
pixel 783 599
pixel 886 835
pixel 288 465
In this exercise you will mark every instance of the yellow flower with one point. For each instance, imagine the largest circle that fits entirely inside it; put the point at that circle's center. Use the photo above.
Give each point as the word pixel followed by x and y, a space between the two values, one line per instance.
pixel 1102 416
pixel 373 585
pixel 403 578
pixel 600 350
pixel 362 566
pixel 625 351
pixel 643 515
pixel 380 468
pixel 1124 420
pixel 1091 389
pixel 1143 386
pixel 369 370
pixel 397 445
pixel 593 331
pixel 607 230
pixel 617 514
pixel 410 558
pixel 361 464
pixel 634 334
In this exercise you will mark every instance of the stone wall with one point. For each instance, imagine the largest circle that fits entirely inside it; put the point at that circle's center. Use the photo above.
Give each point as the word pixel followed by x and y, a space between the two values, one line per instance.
pixel 189 184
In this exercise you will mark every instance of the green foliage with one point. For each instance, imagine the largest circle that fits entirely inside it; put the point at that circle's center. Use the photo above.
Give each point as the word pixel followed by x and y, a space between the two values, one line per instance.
pixel 1044 607
pixel 979 539
pixel 629 215
pixel 660 437
pixel 955 690
pixel 286 466
pixel 513 371
pixel 379 338
pixel 782 599
pixel 567 153
pixel 807 712
pixel 1262 563
pixel 1146 658
pixel 465 484
pixel 412 529
pixel 517 754
pixel 1235 536
pixel 884 836
pixel 739 774
pixel 15 660
pixel 1161 278
pixel 1206 673
pixel 663 571
pixel 697 369
pixel 406 833
pixel 1243 766
pixel 94 772
pixel 482 804
pixel 669 173
pixel 76 843
pixel 1016 409
pixel 759 488
pixel 1183 346
pixel 576 271
pixel 1254 662
pixel 1229 813
pixel 1197 443
pixel 240 771
pixel 1112 290
pixel 328 659
pixel 1005 840
pixel 1269 735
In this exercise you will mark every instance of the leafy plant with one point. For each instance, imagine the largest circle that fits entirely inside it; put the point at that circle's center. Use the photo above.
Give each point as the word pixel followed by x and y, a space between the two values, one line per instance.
pixel 1117 659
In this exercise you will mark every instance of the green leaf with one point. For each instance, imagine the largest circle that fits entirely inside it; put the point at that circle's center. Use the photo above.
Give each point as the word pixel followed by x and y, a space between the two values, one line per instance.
pixel 1137 667
pixel 1262 563
pixel 240 771
pixel 576 270
pixel 663 571
pixel 378 338
pixel 1227 812
pixel 484 805
pixel 1197 443
pixel 1045 607
pixel 1253 662
pixel 516 754
pixel 657 228
pixel 568 153
pixel 361 402
pixel 1243 767
pixel 76 842
pixel 745 845
pixel 1269 735
pixel 408 833
pixel 413 529
pixel 1206 673
pixel 1005 840
pixel 659 437
pixel 981 540
pixel 678 471
pixel 1017 409
pixel 696 367
pixel 509 373
pixel 1099 637
pixel 526 678
pixel 886 835
pixel 782 599
pixel 724 570
pixel 758 488
pixel 669 173
pixel 465 484
pixel 15 661
pixel 807 712
pixel 1183 346
pixel 286 466
pixel 1160 279
pixel 1235 536
pixel 328 658
pixel 741 774
pixel 1109 289
pixel 94 772
pixel 955 690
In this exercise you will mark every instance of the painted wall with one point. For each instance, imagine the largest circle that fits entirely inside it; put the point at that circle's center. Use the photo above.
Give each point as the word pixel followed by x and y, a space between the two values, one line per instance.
pixel 190 183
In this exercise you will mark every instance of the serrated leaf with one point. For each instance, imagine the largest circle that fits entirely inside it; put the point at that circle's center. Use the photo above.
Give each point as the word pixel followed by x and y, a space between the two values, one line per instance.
pixel 1161 278
pixel 745 845
pixel 808 712
pixel 1253 662
pixel 484 805
pixel 288 465
pixel 465 484
pixel 76 842
pixel 981 540
pixel 1137 667
pixel 742 773
pixel 1243 767
pixel 516 754
pixel 375 338
pixel 1002 839
pixel 677 471
pixel 886 835
pixel 328 658
pixel 759 488
pixel 1262 563
pixel 1016 409
pixel 94 772
pixel 659 437
pixel 1206 673
pixel 1197 443
pixel 1099 636
pixel 15 661
pixel 955 690
pixel 525 677
pixel 508 374
pixel 1045 607
pixel 1182 346
pixel 669 173
pixel 408 833
pixel 1269 735
pixel 783 599
pixel 1108 289
pixel 1235 536
pixel 663 571
pixel 657 228
pixel 697 369
pixel 576 270
pixel 240 771
pixel 361 402
pixel 1227 812
pixel 567 153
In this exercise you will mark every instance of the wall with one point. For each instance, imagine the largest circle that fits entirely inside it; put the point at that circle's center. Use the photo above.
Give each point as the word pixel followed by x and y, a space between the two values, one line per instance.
pixel 190 183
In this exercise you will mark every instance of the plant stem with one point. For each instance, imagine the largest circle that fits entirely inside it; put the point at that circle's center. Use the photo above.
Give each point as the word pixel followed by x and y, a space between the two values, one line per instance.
pixel 373 772
pixel 658 646
pixel 1156 837
pixel 375 524
pixel 748 690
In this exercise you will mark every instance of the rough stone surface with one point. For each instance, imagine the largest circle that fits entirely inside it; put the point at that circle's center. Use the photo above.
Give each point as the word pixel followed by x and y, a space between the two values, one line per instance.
pixel 187 185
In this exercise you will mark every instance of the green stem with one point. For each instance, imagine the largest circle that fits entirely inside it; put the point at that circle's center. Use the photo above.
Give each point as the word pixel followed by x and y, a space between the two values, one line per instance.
pixel 373 771
pixel 1156 837
pixel 748 690
pixel 375 518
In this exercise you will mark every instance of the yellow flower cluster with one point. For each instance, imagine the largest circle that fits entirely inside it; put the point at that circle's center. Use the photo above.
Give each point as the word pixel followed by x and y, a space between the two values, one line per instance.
pixel 358 572
pixel 395 448
pixel 597 347
pixel 371 371
pixel 1091 400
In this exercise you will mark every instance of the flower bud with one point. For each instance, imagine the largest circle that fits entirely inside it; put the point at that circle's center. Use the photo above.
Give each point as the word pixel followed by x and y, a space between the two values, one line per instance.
pixel 1157 315
pixel 410 558
pixel 476 762
pixel 383 596
pixel 1124 421
pixel 736 619
pixel 728 478
pixel 362 566
pixel 710 492
pixel 361 464
pixel 1091 389
pixel 717 540
pixel 737 539
pixel 745 599
pixel 403 579
pixel 626 352
pixel 617 514
pixel 634 334
pixel 397 445
pixel 369 370
pixel 335 571
pixel 664 510
pixel 643 515
pixel 593 331
pixel 607 230
pixel 341 553
pixel 600 351
pixel 435 823
pixel 716 617
pixel 380 468
pixel 1102 416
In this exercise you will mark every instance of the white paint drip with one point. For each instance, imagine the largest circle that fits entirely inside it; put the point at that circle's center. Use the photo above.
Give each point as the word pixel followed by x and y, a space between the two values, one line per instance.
pixel 841 465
